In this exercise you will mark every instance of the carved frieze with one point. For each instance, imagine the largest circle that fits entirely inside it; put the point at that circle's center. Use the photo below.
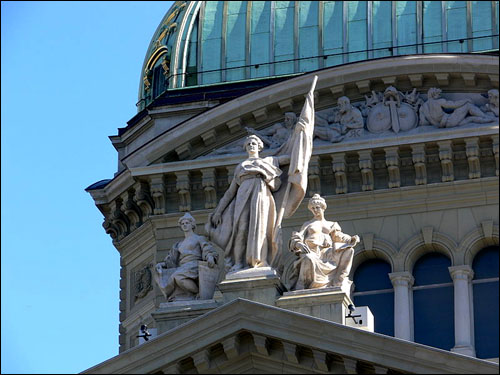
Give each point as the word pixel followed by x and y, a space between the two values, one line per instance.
pixel 390 111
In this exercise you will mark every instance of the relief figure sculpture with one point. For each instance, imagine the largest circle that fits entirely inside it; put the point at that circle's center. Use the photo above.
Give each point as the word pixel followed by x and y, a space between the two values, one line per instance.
pixel 334 124
pixel 246 222
pixel 277 134
pixel 436 111
pixel 491 108
pixel 178 275
pixel 324 253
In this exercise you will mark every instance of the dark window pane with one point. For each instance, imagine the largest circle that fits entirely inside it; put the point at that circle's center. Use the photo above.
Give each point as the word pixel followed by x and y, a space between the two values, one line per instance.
pixel 432 269
pixel 434 317
pixel 372 275
pixel 382 308
pixel 486 319
pixel 159 81
pixel 485 264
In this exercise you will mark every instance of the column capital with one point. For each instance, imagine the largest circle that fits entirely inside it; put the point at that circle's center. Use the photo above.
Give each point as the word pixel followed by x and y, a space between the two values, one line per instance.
pixel 461 272
pixel 401 278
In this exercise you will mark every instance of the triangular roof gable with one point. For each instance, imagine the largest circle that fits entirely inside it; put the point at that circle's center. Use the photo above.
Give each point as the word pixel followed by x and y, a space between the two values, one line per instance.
pixel 196 340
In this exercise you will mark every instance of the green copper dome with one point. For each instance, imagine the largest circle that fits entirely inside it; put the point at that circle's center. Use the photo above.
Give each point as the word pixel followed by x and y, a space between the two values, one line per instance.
pixel 211 42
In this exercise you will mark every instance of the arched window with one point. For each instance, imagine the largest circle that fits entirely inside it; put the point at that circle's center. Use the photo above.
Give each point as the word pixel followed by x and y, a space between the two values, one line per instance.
pixel 373 288
pixel 485 295
pixel 433 312
pixel 159 81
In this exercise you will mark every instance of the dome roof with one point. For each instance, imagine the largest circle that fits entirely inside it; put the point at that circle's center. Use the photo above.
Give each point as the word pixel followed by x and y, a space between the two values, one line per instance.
pixel 209 42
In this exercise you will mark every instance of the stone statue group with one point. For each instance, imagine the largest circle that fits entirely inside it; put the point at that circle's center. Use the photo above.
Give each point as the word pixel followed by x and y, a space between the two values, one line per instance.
pixel 246 224
pixel 323 253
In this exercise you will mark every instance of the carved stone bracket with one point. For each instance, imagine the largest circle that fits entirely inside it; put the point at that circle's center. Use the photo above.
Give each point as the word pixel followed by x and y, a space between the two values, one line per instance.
pixel 442 78
pixel 234 125
pixel 231 347
pixel 202 360
pixel 366 168
pixel 446 157
pixel 416 79
pixel 208 183
pixel 158 194
pixel 209 137
pixel 392 162
pixel 286 105
pixel 143 199
pixel 131 209
pixel 119 219
pixel 261 344
pixel 321 360
pixel 472 151
pixel 184 151
pixel 290 352
pixel 418 157
pixel 183 189
pixel 260 114
pixel 339 167
pixel 337 90
pixel 350 365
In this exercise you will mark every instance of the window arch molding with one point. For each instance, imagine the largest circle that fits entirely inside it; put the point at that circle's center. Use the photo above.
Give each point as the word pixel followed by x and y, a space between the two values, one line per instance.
pixel 475 241
pixel 380 249
pixel 416 247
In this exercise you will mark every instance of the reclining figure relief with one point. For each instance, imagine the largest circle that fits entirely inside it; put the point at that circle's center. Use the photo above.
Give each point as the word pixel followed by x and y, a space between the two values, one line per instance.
pixel 178 276
pixel 324 253
pixel 442 113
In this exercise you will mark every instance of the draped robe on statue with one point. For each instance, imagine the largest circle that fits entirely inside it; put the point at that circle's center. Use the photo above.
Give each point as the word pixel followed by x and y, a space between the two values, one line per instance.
pixel 249 231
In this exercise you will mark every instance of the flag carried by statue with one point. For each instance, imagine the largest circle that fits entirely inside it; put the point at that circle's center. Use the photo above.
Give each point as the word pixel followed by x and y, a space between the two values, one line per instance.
pixel 299 147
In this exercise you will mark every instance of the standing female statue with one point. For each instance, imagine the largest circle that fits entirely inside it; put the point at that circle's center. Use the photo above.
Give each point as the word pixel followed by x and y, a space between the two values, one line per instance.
pixel 244 221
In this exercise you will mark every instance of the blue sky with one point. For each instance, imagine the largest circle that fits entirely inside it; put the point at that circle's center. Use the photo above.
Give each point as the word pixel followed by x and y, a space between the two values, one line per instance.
pixel 70 75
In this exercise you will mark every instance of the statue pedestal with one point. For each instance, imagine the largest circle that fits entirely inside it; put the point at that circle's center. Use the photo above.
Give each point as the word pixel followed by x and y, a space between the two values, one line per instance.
pixel 325 303
pixel 255 284
pixel 173 314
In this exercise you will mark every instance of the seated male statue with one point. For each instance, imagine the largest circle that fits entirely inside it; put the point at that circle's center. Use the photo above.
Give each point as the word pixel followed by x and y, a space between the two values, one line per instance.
pixel 331 126
pixel 325 253
pixel 277 134
pixel 177 276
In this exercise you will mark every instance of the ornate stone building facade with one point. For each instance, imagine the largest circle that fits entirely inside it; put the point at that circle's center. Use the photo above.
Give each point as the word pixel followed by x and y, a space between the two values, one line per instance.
pixel 405 155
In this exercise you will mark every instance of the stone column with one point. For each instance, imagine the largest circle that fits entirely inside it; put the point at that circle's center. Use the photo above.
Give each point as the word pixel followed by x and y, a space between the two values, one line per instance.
pixel 402 282
pixel 462 276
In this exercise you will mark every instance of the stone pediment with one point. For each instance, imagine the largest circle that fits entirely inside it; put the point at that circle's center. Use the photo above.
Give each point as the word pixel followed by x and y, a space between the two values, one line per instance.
pixel 225 123
pixel 249 337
